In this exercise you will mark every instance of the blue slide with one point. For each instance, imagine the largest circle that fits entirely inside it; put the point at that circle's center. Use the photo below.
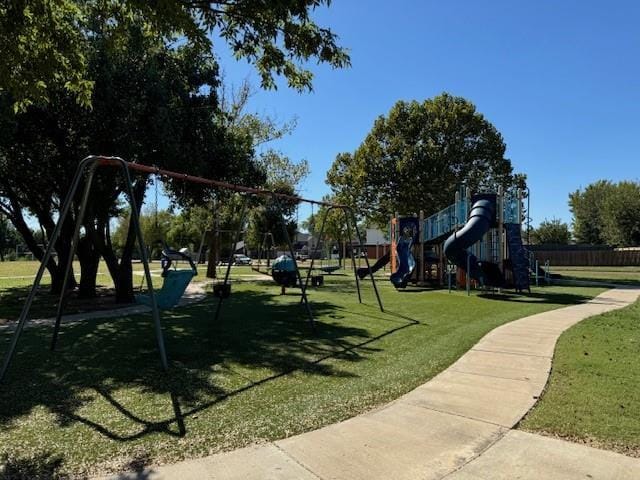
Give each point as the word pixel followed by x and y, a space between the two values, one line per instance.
pixel 407 263
pixel 481 217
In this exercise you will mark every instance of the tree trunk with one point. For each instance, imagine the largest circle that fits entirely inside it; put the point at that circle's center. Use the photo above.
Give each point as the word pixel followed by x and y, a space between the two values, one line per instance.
pixel 62 248
pixel 214 253
pixel 124 278
pixel 89 261
pixel 124 283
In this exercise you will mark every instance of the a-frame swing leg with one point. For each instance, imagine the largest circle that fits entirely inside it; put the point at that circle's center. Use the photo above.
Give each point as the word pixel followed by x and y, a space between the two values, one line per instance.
pixel 366 258
pixel 236 239
pixel 155 311
pixel 301 284
pixel 143 256
pixel 353 257
pixel 315 248
pixel 62 302
pixel 22 320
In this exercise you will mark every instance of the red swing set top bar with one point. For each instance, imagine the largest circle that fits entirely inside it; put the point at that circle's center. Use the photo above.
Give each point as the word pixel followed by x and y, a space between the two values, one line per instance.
pixel 112 162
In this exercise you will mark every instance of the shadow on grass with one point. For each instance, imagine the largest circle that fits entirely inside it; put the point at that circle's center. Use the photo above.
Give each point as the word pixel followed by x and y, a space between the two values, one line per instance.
pixel 256 330
pixel 44 305
pixel 536 297
pixel 417 289
pixel 44 466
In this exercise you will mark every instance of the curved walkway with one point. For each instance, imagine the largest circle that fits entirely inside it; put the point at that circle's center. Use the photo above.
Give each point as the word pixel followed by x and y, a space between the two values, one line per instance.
pixel 456 426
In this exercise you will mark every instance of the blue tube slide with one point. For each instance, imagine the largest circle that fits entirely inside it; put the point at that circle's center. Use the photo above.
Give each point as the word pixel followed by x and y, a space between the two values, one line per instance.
pixel 406 263
pixel 480 219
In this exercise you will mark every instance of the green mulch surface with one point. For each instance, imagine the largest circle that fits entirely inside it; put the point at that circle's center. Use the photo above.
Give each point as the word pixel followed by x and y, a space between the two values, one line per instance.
pixel 593 396
pixel 101 403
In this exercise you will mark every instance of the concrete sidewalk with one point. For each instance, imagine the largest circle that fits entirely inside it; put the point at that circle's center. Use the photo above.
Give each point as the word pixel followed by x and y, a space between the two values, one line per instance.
pixel 456 426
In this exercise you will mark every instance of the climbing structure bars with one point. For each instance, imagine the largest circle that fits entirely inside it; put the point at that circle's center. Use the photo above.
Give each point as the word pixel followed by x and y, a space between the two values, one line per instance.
pixel 86 173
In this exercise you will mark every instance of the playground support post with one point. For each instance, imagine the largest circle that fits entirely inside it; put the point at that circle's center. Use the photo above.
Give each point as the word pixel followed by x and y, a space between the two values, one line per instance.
pixel 235 240
pixel 421 262
pixel 501 242
pixel 468 276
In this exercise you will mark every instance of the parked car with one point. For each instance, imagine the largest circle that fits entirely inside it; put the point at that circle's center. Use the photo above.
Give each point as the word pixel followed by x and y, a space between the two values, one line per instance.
pixel 239 259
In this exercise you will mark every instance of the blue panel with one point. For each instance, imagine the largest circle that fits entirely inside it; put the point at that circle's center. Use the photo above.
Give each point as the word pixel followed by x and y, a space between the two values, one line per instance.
pixel 511 209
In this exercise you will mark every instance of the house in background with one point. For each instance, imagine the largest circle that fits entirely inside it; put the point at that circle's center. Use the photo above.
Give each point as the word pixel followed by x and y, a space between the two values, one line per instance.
pixel 376 242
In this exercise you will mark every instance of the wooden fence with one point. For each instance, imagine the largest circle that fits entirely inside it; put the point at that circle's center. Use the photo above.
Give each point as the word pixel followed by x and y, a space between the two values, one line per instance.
pixel 589 258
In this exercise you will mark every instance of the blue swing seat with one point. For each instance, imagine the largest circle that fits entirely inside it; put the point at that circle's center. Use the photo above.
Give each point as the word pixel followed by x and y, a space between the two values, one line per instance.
pixel 174 286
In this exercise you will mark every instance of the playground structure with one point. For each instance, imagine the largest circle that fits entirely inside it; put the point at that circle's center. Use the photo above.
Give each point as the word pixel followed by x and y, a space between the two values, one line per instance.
pixel 85 176
pixel 476 241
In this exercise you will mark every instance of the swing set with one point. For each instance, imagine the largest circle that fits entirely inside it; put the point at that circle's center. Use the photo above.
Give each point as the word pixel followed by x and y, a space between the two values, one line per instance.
pixel 86 173
pixel 266 247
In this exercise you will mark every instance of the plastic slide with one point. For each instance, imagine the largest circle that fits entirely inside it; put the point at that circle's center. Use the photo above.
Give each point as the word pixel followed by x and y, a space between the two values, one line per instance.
pixel 175 283
pixel 481 217
pixel 382 261
pixel 407 263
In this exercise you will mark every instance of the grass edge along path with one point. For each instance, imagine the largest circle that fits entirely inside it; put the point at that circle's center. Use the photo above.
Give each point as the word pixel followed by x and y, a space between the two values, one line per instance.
pixel 592 395
pixel 100 405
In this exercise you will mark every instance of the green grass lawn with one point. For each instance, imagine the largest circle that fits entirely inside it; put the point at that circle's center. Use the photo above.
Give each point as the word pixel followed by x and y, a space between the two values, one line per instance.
pixel 16 279
pixel 619 275
pixel 101 403
pixel 592 395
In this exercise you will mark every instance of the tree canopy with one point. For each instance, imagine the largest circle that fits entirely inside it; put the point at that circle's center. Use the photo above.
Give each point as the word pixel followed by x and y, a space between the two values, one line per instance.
pixel 607 213
pixel 416 157
pixel 153 104
pixel 43 44
pixel 553 231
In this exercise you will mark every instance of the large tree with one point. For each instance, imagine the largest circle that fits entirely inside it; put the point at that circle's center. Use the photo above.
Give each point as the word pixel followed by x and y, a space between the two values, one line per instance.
pixel 607 213
pixel 152 104
pixel 44 44
pixel 551 232
pixel 418 155
pixel 587 209
pixel 621 215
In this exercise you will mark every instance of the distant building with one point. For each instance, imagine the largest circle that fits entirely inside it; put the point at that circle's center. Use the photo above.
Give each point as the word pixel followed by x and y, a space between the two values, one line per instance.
pixel 376 242
pixel 376 236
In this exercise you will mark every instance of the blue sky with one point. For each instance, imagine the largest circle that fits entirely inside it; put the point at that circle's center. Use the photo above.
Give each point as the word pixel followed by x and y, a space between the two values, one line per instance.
pixel 560 81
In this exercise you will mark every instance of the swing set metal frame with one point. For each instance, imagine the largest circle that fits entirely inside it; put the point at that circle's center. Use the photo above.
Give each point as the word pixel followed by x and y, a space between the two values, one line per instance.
pixel 86 171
